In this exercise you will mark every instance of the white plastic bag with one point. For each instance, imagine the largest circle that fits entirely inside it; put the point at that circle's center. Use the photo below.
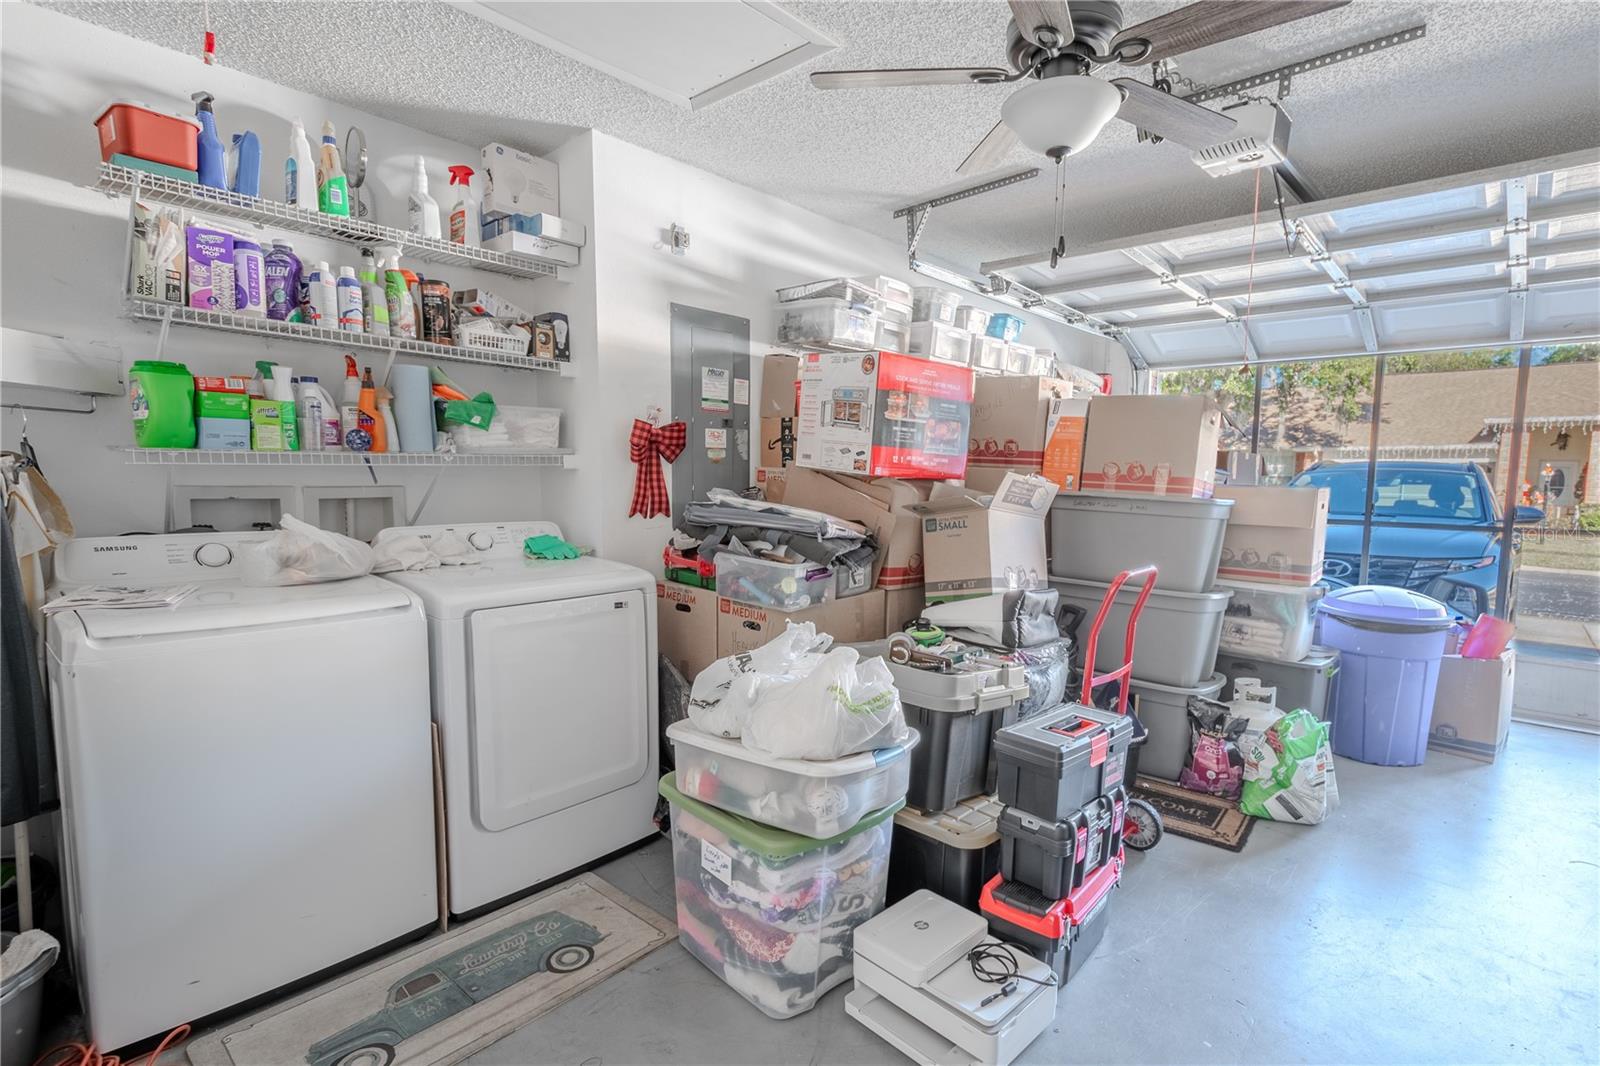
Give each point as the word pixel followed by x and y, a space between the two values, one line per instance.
pixel 302 554
pixel 843 705
pixel 723 693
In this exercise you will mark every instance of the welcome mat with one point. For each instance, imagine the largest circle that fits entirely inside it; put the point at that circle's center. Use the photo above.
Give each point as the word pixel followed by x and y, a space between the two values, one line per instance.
pixel 451 995
pixel 1195 815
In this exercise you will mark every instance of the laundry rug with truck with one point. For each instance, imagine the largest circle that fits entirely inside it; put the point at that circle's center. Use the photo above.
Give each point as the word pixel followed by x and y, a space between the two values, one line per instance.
pixel 449 996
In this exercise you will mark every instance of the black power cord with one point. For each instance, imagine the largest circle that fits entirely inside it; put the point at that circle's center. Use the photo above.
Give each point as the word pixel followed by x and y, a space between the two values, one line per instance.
pixel 995 963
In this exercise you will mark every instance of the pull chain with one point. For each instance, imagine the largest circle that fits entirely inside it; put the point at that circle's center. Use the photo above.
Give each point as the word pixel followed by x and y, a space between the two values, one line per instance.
pixel 1059 249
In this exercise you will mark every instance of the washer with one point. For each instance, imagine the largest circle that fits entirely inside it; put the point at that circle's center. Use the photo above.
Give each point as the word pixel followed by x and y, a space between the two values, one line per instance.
pixel 544 689
pixel 246 779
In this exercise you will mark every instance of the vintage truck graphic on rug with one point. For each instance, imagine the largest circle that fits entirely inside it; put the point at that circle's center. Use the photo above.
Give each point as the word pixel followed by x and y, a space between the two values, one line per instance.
pixel 550 942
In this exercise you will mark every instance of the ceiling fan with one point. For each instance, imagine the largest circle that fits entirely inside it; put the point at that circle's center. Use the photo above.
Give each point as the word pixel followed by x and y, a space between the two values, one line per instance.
pixel 1053 48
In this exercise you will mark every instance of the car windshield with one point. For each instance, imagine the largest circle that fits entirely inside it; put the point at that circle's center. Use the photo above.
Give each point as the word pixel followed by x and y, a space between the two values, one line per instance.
pixel 1411 494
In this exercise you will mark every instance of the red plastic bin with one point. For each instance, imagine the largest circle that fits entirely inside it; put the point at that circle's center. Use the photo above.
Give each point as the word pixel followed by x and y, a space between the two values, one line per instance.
pixel 128 128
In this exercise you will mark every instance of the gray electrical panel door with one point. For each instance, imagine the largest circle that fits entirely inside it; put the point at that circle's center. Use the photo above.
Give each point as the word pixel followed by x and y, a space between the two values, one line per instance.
pixel 710 392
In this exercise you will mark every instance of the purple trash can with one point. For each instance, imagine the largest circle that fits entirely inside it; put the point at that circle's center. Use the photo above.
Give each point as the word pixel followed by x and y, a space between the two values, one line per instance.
pixel 1392 640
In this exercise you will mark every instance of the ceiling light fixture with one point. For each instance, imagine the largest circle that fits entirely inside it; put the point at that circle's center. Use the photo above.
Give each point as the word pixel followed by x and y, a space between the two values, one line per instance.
pixel 1061 116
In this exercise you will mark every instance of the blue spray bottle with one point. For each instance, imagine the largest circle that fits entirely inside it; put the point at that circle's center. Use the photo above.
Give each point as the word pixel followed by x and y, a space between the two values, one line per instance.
pixel 213 157
pixel 244 164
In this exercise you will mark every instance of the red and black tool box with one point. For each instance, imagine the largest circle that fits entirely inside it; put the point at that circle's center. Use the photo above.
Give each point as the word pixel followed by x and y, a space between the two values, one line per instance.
pixel 1056 857
pixel 1061 933
pixel 1054 763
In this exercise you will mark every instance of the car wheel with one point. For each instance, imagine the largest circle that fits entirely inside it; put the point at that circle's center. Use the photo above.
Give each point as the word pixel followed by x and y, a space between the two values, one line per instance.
pixel 568 958
pixel 370 1055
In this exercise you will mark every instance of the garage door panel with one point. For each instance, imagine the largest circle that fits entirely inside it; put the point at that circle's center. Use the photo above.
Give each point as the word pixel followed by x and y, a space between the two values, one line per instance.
pixel 1564 310
pixel 1479 319
pixel 1307 333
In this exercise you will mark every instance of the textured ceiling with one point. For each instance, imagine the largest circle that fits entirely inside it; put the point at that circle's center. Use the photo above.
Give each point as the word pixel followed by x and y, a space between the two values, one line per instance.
pixel 1491 83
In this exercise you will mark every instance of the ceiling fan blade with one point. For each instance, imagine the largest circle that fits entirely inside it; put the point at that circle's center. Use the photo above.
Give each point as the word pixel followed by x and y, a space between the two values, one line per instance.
pixel 884 79
pixel 990 152
pixel 1170 116
pixel 1212 21
pixel 1047 23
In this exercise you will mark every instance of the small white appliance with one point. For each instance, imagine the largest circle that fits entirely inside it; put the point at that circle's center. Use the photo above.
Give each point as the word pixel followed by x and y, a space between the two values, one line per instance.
pixel 246 779
pixel 544 689
pixel 1261 139
pixel 916 988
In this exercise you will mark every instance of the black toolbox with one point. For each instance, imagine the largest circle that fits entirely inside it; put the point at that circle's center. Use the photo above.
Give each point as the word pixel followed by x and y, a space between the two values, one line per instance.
pixel 1060 933
pixel 1054 763
pixel 1055 857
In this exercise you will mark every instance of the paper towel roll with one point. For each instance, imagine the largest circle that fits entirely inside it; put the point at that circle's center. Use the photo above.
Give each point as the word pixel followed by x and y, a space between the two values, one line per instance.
pixel 413 406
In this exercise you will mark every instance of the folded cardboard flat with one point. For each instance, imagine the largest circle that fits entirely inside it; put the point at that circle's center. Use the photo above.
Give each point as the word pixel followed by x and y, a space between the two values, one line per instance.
pixel 1011 427
pixel 1275 534
pixel 686 626
pixel 976 544
pixel 1166 445
pixel 882 505
pixel 780 386
pixel 744 627
pixel 1472 706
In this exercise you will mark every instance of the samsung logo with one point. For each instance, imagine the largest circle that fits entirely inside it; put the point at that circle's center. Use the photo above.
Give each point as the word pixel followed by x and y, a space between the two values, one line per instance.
pixel 116 547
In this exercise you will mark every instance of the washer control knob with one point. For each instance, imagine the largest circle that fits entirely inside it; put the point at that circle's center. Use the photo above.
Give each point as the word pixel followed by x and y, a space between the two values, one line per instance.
pixel 481 539
pixel 213 554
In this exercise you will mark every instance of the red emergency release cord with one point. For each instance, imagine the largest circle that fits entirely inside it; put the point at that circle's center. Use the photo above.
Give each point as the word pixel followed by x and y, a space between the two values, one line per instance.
pixel 88 1055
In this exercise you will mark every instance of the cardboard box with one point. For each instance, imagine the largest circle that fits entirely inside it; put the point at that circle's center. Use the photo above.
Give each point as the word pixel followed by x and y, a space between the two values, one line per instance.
pixel 1472 706
pixel 743 627
pixel 221 397
pixel 1009 416
pixel 517 183
pixel 884 505
pixel 1275 534
pixel 780 386
pixel 879 414
pixel 1065 428
pixel 777 442
pixel 1166 445
pixel 773 480
pixel 159 261
pixel 975 545
pixel 901 606
pixel 528 244
pixel 686 626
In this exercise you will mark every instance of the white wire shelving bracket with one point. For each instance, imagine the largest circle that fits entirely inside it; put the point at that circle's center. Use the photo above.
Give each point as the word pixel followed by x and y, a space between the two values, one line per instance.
pixel 299 331
pixel 157 188
pixel 558 458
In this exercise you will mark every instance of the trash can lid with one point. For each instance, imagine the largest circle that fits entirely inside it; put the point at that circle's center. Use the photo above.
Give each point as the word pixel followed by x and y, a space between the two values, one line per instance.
pixel 1389 604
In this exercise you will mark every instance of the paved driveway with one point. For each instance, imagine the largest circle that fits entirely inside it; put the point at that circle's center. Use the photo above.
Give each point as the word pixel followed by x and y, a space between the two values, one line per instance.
pixel 1572 595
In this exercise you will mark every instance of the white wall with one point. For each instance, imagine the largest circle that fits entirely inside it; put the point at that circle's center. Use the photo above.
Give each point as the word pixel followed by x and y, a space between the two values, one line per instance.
pixel 745 245
pixel 63 265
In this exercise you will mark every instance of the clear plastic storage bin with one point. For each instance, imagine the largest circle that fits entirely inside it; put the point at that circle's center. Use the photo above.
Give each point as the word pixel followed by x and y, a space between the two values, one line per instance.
pixel 972 319
pixel 935 340
pixel 894 337
pixel 772 913
pixel 988 353
pixel 513 429
pixel 892 290
pixel 892 311
pixel 828 322
pixel 930 303
pixel 1273 621
pixel 850 290
pixel 1019 358
pixel 1042 363
pixel 765 583
pixel 816 798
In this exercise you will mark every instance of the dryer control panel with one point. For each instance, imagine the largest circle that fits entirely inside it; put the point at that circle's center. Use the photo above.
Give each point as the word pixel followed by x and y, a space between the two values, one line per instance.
pixel 488 539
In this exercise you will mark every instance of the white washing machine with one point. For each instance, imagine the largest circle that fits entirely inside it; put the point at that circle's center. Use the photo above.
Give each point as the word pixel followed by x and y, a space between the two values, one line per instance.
pixel 544 688
pixel 246 779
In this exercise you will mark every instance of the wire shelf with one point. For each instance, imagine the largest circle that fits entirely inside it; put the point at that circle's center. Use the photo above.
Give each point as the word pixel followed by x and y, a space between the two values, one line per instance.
pixel 559 457
pixel 157 188
pixel 299 331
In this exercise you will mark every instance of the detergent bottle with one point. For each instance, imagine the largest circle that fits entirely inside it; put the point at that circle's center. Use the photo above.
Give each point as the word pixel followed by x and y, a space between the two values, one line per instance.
pixel 319 416
pixel 351 318
pixel 323 298
pixel 333 188
pixel 370 418
pixel 244 164
pixel 300 171
pixel 464 228
pixel 422 209
pixel 213 159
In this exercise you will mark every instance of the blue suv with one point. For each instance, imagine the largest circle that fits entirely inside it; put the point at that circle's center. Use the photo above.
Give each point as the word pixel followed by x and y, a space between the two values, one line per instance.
pixel 1450 560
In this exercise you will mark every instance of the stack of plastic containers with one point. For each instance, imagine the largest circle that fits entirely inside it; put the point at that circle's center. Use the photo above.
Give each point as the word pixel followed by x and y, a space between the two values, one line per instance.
pixel 1267 635
pixel 860 314
pixel 940 328
pixel 1061 779
pixel 778 860
pixel 1098 535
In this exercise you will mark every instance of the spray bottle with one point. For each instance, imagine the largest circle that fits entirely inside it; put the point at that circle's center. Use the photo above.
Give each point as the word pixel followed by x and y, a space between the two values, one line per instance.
pixel 370 418
pixel 300 171
pixel 402 305
pixel 244 164
pixel 213 166
pixel 372 294
pixel 333 188
pixel 464 228
pixel 280 389
pixel 422 208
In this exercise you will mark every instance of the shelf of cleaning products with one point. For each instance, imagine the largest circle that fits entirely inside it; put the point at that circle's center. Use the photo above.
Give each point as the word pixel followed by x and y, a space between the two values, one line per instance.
pixel 559 457
pixel 156 188
pixel 299 331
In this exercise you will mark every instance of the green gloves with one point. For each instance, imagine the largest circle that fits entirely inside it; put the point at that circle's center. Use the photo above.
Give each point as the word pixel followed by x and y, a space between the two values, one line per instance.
pixel 549 547
pixel 477 412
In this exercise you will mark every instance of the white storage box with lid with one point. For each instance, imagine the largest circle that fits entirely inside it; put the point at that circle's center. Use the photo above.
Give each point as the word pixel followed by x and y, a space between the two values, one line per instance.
pixel 917 990
pixel 893 337
pixel 514 428
pixel 816 798
pixel 892 311
pixel 989 353
pixel 935 340
pixel 972 319
pixel 1178 631
pixel 892 290
pixel 829 323
pixel 1097 535
pixel 772 913
pixel 768 583
pixel 1019 358
pixel 929 303
pixel 1272 621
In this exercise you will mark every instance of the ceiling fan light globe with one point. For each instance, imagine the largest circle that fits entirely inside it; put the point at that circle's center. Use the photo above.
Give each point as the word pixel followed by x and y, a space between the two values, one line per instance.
pixel 1060 116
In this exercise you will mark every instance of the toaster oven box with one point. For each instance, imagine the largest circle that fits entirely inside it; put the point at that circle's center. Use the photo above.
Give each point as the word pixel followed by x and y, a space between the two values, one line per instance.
pixel 881 414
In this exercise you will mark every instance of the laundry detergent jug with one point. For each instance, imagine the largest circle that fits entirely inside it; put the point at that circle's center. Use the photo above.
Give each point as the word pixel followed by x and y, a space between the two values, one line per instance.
pixel 161 395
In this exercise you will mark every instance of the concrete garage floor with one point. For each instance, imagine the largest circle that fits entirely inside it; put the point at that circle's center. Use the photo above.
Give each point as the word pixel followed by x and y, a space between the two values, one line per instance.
pixel 1444 914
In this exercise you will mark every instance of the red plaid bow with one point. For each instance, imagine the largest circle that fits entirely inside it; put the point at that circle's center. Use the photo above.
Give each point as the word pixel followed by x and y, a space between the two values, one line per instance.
pixel 645 443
